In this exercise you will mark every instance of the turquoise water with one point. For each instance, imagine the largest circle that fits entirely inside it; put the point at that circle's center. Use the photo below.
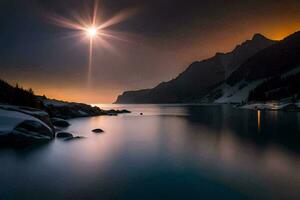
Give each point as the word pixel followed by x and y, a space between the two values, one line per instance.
pixel 169 152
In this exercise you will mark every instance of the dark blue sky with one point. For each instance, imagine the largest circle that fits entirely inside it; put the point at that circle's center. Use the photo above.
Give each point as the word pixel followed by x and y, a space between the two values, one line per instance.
pixel 164 37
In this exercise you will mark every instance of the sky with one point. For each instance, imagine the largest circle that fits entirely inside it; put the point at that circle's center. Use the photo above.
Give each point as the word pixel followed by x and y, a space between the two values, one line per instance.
pixel 156 41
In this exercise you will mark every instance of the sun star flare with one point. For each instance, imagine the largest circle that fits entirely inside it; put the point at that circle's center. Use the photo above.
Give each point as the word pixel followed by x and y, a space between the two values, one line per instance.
pixel 89 27
pixel 92 31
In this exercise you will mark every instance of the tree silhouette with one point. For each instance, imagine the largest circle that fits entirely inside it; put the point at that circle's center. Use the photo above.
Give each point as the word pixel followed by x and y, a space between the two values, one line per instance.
pixel 277 88
pixel 16 95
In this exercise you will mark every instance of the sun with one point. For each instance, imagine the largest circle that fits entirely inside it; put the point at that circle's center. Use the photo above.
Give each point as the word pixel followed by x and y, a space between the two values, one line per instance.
pixel 92 31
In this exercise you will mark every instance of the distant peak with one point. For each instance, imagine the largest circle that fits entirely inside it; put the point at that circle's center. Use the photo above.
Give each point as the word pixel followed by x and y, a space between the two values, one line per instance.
pixel 292 36
pixel 258 36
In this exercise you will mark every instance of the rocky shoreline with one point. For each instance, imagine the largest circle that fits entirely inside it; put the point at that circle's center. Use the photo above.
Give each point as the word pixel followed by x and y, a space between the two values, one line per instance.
pixel 69 110
pixel 272 106
pixel 21 125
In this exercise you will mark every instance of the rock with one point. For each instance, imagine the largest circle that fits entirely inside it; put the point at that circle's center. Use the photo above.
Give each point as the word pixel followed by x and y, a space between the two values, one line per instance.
pixel 69 110
pixel 60 122
pixel 57 129
pixel 74 138
pixel 19 128
pixel 39 114
pixel 124 111
pixel 30 132
pixel 97 130
pixel 64 135
pixel 113 112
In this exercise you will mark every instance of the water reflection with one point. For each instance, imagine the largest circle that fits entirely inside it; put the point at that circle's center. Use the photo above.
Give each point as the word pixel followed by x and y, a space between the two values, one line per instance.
pixel 262 128
pixel 171 152
pixel 23 150
pixel 258 120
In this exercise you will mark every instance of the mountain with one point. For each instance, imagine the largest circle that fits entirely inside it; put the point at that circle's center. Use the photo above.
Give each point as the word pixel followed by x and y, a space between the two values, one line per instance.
pixel 272 61
pixel 200 77
pixel 270 74
pixel 277 88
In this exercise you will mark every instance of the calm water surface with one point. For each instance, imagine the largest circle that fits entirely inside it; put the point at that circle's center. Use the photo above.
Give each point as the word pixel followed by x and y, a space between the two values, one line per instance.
pixel 169 152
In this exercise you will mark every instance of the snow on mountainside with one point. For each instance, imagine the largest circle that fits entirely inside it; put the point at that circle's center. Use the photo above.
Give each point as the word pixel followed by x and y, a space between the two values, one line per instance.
pixel 238 93
pixel 272 61
pixel 266 106
pixel 200 77
pixel 291 72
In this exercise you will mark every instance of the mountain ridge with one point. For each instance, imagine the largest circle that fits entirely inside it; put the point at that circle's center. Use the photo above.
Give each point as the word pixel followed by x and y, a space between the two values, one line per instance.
pixel 276 59
pixel 202 75
pixel 271 74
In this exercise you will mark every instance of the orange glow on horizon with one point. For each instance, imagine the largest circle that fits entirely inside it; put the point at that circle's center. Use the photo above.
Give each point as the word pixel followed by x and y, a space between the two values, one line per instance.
pixel 188 50
pixel 281 31
pixel 78 95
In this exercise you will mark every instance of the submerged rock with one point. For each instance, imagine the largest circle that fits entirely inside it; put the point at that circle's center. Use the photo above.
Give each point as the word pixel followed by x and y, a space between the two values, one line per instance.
pixel 74 138
pixel 68 136
pixel 60 122
pixel 98 130
pixel 116 112
pixel 64 135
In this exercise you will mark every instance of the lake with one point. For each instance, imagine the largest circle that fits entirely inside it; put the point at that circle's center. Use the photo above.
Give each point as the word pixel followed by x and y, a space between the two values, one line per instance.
pixel 169 152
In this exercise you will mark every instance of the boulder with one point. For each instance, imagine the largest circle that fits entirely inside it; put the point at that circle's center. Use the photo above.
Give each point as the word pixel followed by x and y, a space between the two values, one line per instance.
pixel 17 127
pixel 64 135
pixel 74 138
pixel 60 122
pixel 39 114
pixel 98 130
pixel 113 112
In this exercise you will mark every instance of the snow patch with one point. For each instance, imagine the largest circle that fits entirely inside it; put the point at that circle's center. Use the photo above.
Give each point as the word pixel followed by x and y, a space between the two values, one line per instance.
pixel 238 93
pixel 291 72
pixel 266 106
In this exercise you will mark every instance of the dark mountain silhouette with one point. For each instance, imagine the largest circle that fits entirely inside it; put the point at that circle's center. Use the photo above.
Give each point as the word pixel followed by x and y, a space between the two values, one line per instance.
pixel 271 61
pixel 270 74
pixel 277 88
pixel 199 77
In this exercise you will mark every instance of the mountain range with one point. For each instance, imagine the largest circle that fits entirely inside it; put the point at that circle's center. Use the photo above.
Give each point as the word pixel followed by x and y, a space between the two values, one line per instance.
pixel 227 77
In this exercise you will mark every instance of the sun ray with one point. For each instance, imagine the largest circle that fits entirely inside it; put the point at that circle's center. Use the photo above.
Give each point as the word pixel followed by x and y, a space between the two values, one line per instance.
pixel 123 15
pixel 89 26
